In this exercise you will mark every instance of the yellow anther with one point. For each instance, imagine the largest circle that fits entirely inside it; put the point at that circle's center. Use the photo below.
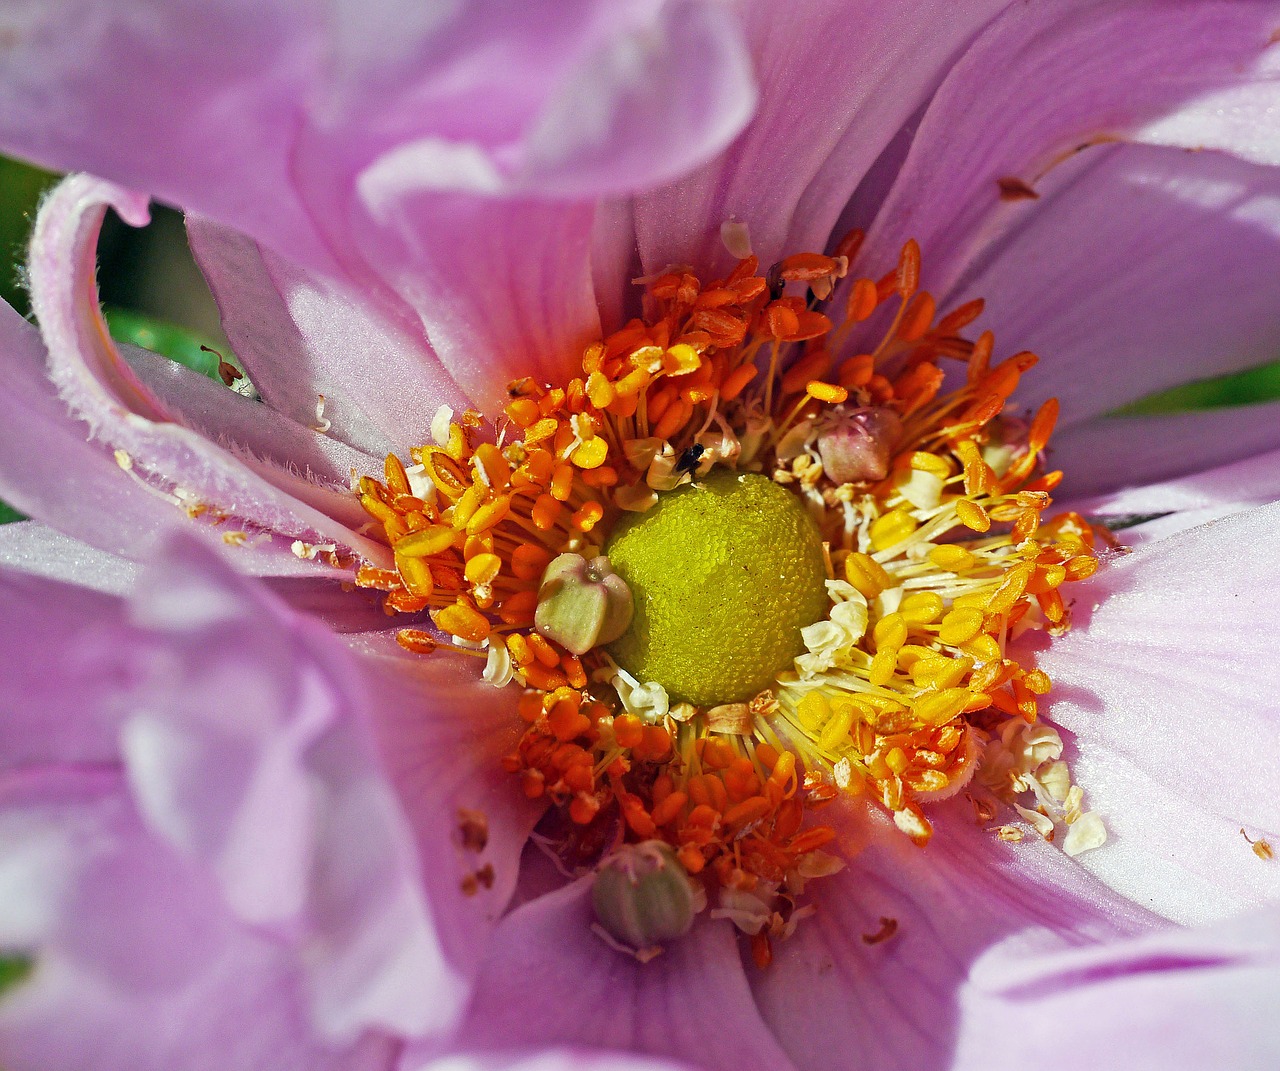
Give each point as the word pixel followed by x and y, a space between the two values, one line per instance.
pixel 483 568
pixel 827 392
pixel 488 515
pixel 426 543
pixel 921 607
pixel 952 558
pixel 497 471
pixel 1011 589
pixel 983 647
pixel 891 632
pixel 416 574
pixel 892 528
pixel 896 760
pixel 867 575
pixel 960 626
pixel 680 360
pixel 882 667
pixel 923 461
pixel 836 731
pixel 600 390
pixel 938 708
pixel 972 515
pixel 813 709
pixel 591 453
pixel 467 505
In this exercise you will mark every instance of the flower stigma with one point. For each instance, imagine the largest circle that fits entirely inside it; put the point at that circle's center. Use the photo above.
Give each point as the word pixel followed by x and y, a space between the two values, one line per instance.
pixel 762 554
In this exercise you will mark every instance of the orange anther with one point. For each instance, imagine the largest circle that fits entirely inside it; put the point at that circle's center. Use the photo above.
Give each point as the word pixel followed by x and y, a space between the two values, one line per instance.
pixel 669 808
pixel 863 299
pixel 717 753
pixel 827 392
pixel 587 517
pixel 628 730
pixel 737 381
pixel 562 482
pixel 529 561
pixel 543 651
pixel 415 640
pixel 461 620
pixel 546 512
pixel 655 746
pixel 397 478
pixel 746 812
pixel 518 609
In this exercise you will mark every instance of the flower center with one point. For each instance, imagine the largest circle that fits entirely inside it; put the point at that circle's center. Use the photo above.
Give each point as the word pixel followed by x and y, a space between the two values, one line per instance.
pixel 762 554
pixel 725 573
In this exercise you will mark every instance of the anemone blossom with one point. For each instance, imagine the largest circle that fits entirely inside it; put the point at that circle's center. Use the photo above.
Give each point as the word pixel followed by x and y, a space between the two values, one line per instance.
pixel 250 821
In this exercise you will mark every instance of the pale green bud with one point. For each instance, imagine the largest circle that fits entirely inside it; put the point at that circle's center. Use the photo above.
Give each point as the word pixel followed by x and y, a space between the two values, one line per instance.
pixel 642 896
pixel 582 603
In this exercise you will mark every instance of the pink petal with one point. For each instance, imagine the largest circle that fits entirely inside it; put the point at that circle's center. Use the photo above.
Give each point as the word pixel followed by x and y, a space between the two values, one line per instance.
pixel 837 1001
pixel 223 416
pixel 1058 78
pixel 549 1060
pixel 31 547
pixel 129 417
pixel 57 683
pixel 138 966
pixel 202 114
pixel 549 980
pixel 1168 681
pixel 1193 999
pixel 503 288
pixel 837 81
pixel 1138 270
pixel 442 732
pixel 1182 503
pixel 1129 452
pixel 301 338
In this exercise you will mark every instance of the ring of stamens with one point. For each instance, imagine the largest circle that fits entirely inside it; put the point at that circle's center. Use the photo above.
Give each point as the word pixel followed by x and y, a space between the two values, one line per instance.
pixel 937 549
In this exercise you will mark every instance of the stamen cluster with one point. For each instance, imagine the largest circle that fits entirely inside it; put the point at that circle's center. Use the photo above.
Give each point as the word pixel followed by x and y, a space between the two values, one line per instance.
pixel 930 502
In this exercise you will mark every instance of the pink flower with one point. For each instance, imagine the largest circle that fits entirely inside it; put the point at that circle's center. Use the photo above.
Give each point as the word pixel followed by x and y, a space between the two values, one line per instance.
pixel 233 839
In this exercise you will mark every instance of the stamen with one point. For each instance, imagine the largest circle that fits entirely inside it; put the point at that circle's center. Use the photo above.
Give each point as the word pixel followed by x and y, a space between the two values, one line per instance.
pixel 927 551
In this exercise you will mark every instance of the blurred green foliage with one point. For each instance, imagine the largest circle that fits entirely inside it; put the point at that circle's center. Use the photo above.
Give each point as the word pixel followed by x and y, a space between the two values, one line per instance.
pixel 1261 384
pixel 13 969
pixel 169 340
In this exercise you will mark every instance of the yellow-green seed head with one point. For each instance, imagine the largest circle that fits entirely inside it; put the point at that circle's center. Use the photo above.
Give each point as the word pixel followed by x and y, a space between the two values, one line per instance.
pixel 724 573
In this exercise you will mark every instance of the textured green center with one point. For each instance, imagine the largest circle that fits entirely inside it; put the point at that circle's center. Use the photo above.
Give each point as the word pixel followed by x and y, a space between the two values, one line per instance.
pixel 725 573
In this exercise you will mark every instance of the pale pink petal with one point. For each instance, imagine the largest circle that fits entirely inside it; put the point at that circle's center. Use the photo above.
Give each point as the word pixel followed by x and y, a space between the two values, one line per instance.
pixel 837 82
pixel 1168 682
pixel 139 968
pixel 128 416
pixel 1180 999
pixel 301 338
pixel 198 104
pixel 503 288
pixel 31 547
pixel 837 998
pixel 443 732
pixel 528 1060
pixel 549 980
pixel 1043 82
pixel 1156 510
pixel 1137 270
pixel 1132 452
pixel 246 427
pixel 57 684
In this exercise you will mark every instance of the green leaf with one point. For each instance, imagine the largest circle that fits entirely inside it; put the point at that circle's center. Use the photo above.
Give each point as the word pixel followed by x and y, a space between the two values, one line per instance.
pixel 8 514
pixel 1253 385
pixel 13 971
pixel 179 344
pixel 21 187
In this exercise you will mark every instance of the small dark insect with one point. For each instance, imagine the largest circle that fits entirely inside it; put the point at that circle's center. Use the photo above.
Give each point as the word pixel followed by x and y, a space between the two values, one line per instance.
pixel 227 372
pixel 775 281
pixel 690 458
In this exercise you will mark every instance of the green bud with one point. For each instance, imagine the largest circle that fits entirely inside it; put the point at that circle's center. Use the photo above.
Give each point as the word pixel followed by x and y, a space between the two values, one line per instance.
pixel 642 897
pixel 581 603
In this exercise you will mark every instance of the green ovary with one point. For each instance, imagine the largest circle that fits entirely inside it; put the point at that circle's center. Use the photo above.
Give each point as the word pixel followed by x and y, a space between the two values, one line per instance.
pixel 725 573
